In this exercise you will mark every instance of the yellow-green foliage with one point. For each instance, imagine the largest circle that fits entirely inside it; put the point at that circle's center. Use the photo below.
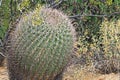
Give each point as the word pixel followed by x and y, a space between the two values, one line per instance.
pixel 86 46
pixel 97 2
pixel 23 5
pixel 109 2
pixel 108 41
pixel 36 19
pixel 110 31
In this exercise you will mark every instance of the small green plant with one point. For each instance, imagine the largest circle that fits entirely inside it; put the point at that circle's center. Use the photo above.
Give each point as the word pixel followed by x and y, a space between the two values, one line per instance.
pixel 40 45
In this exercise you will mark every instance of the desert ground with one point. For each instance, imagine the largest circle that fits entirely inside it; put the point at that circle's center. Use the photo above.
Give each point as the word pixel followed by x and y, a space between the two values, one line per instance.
pixel 72 73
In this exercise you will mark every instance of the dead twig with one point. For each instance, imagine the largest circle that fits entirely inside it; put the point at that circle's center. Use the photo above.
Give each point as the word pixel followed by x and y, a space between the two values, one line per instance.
pixel 91 15
pixel 55 4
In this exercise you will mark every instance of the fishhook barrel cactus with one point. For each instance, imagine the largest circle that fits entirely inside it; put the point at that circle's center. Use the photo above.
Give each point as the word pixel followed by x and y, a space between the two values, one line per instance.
pixel 39 46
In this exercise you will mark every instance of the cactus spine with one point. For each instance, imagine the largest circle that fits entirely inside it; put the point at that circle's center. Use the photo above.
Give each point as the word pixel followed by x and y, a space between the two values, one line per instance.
pixel 39 46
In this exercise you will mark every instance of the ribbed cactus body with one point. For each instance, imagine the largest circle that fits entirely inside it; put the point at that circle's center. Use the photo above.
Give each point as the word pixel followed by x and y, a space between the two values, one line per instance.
pixel 39 46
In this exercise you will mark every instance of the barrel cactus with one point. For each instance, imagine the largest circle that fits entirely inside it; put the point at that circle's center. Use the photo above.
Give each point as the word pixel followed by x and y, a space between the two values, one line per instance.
pixel 40 44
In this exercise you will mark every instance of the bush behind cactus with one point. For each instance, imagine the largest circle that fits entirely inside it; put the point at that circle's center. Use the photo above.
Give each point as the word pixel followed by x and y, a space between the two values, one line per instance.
pixel 39 46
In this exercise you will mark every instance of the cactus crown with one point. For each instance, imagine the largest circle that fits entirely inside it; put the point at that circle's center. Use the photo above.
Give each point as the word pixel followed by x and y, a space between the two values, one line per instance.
pixel 41 45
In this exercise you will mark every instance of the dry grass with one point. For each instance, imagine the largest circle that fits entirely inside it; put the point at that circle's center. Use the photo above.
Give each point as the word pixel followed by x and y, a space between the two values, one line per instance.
pixel 74 72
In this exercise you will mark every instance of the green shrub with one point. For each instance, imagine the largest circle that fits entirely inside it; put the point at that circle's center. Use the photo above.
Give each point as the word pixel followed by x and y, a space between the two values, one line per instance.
pixel 4 18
